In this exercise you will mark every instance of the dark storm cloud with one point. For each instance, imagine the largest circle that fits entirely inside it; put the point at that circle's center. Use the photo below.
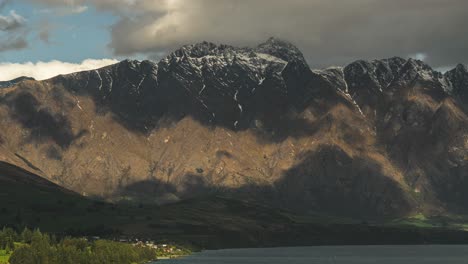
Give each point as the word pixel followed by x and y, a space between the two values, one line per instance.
pixel 329 32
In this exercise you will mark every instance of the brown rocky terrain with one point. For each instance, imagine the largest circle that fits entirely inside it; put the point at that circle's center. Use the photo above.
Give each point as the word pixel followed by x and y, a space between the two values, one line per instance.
pixel 375 138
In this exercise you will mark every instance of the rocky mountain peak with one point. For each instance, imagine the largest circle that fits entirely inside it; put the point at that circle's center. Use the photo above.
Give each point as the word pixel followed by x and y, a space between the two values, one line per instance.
pixel 458 80
pixel 461 68
pixel 375 75
pixel 457 73
pixel 203 49
pixel 391 74
pixel 274 47
pixel 222 84
pixel 417 66
pixel 281 49
pixel 132 64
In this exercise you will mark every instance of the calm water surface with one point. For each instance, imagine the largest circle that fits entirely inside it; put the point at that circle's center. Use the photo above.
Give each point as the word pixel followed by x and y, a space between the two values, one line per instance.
pixel 330 255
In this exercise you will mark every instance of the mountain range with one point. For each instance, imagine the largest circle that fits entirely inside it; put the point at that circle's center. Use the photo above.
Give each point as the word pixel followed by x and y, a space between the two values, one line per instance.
pixel 374 139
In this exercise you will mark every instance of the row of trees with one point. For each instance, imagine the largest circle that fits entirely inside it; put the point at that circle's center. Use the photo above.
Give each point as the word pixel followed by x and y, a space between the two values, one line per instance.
pixel 9 236
pixel 34 247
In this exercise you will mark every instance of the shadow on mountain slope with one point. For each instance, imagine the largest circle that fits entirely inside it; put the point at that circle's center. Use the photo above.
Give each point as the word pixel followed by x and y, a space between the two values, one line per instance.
pixel 327 180
pixel 42 123
pixel 331 180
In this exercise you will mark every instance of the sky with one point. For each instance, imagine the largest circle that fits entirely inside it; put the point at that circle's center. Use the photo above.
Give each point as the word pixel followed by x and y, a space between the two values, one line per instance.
pixel 43 38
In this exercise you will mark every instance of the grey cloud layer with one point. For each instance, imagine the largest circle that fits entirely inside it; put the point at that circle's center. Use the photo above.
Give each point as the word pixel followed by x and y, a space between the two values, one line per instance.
pixel 329 32
pixel 13 44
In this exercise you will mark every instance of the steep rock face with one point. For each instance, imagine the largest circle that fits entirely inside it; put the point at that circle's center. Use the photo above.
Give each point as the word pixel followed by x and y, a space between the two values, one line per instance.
pixel 236 88
pixel 417 120
pixel 458 81
pixel 124 88
pixel 379 138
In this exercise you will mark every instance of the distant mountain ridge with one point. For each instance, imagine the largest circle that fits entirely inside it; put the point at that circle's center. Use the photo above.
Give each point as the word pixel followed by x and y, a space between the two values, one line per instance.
pixel 372 139
pixel 4 84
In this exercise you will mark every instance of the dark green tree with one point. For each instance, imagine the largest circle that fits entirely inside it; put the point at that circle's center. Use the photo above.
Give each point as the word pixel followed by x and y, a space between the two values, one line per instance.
pixel 9 244
pixel 10 232
pixel 40 245
pixel 23 255
pixel 26 235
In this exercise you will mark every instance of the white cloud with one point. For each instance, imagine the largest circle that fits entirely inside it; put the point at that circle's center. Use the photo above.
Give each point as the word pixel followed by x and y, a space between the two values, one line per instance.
pixel 63 11
pixel 45 70
pixel 419 56
pixel 11 22
pixel 79 9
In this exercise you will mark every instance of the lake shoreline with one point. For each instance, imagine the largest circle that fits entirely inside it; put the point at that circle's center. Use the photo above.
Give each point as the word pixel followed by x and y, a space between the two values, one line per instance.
pixel 419 254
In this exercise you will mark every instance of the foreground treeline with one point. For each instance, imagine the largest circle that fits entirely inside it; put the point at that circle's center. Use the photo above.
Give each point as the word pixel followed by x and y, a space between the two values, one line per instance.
pixel 34 247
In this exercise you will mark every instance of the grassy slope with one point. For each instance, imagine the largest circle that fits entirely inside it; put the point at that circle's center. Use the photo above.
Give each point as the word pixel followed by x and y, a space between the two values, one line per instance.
pixel 27 199
pixel 450 221
pixel 208 222
pixel 4 257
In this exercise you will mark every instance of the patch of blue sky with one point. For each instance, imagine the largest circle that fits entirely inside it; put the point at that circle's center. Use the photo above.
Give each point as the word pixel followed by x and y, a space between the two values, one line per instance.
pixel 72 37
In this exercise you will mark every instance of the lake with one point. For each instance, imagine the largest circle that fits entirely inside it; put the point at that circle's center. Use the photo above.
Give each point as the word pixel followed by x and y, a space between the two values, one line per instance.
pixel 331 254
